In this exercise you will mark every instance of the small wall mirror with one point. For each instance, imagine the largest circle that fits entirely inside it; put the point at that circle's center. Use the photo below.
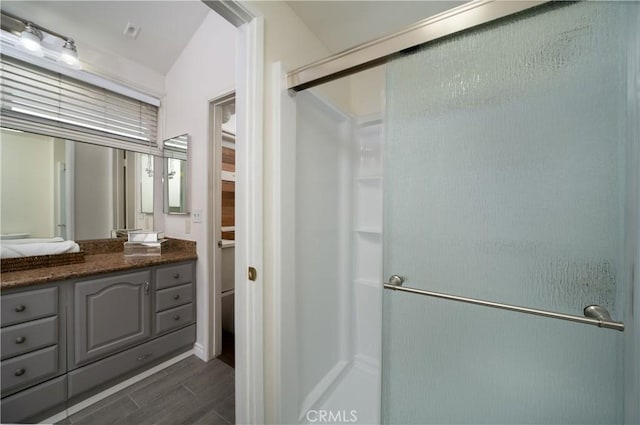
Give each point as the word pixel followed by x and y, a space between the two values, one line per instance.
pixel 176 175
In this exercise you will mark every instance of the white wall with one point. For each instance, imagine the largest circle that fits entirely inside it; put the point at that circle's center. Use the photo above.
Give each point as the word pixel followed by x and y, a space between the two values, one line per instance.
pixel 204 70
pixel 322 223
pixel 27 184
pixel 122 70
pixel 366 95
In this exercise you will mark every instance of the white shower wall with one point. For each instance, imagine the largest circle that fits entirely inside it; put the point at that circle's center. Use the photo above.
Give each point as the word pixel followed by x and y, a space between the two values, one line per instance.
pixel 338 258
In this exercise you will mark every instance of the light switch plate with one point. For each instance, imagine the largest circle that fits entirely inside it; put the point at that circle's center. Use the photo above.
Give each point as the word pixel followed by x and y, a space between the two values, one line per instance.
pixel 197 216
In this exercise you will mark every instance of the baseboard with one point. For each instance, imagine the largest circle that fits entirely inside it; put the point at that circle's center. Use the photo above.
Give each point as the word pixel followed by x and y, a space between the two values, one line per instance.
pixel 198 351
pixel 120 386
pixel 55 418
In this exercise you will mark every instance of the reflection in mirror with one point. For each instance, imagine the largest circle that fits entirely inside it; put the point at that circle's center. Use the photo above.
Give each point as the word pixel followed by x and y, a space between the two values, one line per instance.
pixel 53 187
pixel 145 168
pixel 176 188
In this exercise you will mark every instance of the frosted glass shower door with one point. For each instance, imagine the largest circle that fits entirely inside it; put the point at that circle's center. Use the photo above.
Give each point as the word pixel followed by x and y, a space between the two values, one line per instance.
pixel 505 174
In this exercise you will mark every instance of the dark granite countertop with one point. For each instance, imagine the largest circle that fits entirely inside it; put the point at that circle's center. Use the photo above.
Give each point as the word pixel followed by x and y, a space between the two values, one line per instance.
pixel 100 257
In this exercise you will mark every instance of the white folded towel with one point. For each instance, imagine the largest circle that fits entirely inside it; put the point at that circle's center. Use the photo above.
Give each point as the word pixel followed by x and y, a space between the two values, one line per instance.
pixel 31 240
pixel 31 249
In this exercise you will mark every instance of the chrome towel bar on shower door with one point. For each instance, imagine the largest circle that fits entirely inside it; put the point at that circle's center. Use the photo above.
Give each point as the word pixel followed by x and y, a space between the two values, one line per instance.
pixel 596 315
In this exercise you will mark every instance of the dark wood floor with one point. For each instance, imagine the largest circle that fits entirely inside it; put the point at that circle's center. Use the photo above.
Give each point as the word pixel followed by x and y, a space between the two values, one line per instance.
pixel 188 392
pixel 228 354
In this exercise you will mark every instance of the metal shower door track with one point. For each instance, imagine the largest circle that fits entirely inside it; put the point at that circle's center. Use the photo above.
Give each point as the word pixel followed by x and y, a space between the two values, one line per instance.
pixel 378 51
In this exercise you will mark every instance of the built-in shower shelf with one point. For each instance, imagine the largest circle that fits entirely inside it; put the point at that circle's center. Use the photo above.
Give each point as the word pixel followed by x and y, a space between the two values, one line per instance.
pixel 373 230
pixel 369 179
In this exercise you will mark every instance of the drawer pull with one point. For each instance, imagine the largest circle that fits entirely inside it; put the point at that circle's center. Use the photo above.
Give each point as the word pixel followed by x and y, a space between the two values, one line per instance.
pixel 20 308
pixel 176 317
pixel 20 340
pixel 19 372
pixel 176 276
pixel 176 297
pixel 145 357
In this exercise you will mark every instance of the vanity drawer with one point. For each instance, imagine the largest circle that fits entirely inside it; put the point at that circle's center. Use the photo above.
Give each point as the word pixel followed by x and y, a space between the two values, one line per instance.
pixel 174 275
pixel 173 297
pixel 23 306
pixel 36 400
pixel 103 371
pixel 28 369
pixel 174 318
pixel 25 337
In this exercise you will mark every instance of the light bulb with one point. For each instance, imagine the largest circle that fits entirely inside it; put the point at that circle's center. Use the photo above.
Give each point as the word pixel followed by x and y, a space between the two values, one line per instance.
pixel 30 40
pixel 69 55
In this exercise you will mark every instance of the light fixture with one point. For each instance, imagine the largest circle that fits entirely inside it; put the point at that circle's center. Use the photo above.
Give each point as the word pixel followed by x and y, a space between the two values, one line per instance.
pixel 69 54
pixel 39 41
pixel 30 40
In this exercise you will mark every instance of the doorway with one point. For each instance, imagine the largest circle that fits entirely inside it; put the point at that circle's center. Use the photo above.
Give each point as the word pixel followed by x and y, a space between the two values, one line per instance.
pixel 223 177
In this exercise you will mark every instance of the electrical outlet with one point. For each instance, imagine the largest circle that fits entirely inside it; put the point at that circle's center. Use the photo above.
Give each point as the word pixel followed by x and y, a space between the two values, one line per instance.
pixel 197 216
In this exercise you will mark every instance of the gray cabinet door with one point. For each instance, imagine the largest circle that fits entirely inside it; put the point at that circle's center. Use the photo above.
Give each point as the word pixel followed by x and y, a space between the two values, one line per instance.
pixel 111 314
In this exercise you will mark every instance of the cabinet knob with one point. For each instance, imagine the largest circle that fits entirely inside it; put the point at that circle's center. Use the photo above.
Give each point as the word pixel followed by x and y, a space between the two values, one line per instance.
pixel 19 372
pixel 20 340
pixel 20 308
pixel 176 276
pixel 176 317
pixel 176 297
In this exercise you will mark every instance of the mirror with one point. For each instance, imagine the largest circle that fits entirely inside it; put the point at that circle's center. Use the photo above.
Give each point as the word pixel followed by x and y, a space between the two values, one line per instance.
pixel 176 175
pixel 54 187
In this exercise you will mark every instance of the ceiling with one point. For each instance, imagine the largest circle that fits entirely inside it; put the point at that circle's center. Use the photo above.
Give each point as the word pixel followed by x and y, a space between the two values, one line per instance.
pixel 165 26
pixel 344 24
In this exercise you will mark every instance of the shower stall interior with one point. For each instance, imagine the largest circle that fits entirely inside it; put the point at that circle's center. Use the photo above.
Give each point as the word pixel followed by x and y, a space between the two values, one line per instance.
pixel 338 205
pixel 500 170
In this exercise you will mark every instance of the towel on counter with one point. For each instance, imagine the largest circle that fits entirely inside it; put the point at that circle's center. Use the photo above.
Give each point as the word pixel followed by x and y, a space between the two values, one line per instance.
pixel 15 250
pixel 31 240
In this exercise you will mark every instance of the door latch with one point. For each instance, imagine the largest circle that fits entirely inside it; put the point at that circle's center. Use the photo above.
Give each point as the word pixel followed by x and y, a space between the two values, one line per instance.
pixel 253 274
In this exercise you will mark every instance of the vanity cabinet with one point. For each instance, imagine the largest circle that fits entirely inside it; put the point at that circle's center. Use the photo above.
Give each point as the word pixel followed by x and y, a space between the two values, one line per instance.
pixel 65 341
pixel 109 314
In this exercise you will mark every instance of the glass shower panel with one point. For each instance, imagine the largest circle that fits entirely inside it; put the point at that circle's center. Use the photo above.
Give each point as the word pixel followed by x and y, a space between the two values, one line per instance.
pixel 505 178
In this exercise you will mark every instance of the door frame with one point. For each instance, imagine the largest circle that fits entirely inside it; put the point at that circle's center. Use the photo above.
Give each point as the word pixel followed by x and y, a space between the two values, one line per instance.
pixel 214 189
pixel 249 367
pixel 249 308
pixel 284 379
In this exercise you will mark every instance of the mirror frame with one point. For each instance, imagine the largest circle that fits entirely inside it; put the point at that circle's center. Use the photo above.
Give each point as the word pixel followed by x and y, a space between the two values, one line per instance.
pixel 171 149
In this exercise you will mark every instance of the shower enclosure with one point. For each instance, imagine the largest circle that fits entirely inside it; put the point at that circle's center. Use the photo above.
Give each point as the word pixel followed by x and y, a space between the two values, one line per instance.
pixel 336 299
pixel 505 164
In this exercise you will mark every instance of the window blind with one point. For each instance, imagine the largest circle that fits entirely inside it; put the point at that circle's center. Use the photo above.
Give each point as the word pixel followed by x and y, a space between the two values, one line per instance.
pixel 41 101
